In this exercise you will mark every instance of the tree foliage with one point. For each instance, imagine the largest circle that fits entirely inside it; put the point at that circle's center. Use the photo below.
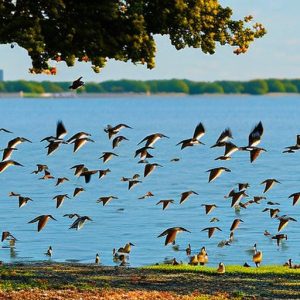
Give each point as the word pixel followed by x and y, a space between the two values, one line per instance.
pixel 95 31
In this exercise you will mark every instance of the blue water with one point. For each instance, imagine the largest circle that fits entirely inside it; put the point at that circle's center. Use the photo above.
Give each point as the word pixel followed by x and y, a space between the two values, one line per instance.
pixel 142 221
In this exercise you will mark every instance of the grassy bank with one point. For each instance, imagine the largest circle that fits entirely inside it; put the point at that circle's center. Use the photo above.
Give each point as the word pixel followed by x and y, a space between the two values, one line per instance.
pixel 70 281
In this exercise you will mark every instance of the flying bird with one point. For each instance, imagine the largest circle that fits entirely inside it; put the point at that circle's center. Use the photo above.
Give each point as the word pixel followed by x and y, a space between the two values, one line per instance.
pixel 103 173
pixel 61 180
pixel 113 130
pixel 77 191
pixel 195 140
pixel 211 230
pixel 7 153
pixel 47 175
pixel 224 137
pixel 42 221
pixel 147 195
pixel 105 200
pixel 78 143
pixel 269 183
pixel 171 234
pixel 5 164
pixel 296 197
pixel 76 84
pixel 117 140
pixel 78 135
pixel 152 139
pixel 186 195
pixel 106 156
pixel 209 208
pixel 79 222
pixel 149 168
pixel 6 235
pixel 283 221
pixel 16 141
pixel 5 130
pixel 235 224
pixel 23 201
pixel 165 203
pixel 216 172
pixel 279 238
pixel 60 199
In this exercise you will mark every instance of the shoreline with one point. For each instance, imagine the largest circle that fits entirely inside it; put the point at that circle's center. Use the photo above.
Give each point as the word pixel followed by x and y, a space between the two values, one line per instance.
pixel 89 281
pixel 74 96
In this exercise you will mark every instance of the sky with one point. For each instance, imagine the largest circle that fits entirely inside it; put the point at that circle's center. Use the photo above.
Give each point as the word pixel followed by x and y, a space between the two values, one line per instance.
pixel 276 55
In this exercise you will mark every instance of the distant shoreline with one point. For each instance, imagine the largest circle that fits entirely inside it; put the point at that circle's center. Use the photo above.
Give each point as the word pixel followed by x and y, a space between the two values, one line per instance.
pixel 71 95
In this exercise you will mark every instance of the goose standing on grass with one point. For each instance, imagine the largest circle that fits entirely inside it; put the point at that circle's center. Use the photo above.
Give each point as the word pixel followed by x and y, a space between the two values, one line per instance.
pixel 49 252
pixel 97 259
pixel 202 256
pixel 257 256
pixel 221 268
pixel 188 250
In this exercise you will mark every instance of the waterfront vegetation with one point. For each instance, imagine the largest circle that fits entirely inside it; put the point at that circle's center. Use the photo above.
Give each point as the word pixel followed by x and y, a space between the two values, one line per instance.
pixel 153 282
pixel 254 87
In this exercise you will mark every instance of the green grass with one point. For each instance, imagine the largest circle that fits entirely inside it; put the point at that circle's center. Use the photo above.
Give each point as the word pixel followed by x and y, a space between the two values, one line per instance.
pixel 232 269
pixel 237 283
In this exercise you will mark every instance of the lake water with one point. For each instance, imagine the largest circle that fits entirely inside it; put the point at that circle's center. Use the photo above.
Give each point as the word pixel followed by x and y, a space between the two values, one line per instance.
pixel 141 221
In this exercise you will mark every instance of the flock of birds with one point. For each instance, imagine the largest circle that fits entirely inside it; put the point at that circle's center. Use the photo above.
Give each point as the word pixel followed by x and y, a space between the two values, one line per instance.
pixel 121 255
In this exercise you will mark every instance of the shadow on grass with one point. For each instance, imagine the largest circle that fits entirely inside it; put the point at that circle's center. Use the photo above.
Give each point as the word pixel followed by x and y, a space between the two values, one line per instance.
pixel 238 282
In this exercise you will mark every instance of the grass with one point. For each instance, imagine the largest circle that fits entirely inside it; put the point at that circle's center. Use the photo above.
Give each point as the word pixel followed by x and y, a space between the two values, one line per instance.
pixel 152 282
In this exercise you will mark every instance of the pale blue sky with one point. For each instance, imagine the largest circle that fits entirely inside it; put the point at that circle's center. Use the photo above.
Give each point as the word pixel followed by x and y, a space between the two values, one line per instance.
pixel 277 55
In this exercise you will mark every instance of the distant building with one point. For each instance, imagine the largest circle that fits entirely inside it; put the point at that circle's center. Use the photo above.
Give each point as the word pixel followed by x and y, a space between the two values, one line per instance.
pixel 1 75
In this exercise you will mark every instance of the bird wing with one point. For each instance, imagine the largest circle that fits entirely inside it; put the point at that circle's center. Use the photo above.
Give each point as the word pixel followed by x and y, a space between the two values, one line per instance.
pixel 60 130
pixel 199 131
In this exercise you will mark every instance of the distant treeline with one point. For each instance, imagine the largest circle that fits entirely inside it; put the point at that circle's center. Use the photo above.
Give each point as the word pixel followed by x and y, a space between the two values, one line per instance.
pixel 254 87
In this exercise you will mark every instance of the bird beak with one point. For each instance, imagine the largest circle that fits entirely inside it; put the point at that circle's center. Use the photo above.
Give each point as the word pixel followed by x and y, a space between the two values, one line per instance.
pixel 18 164
pixel 131 244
